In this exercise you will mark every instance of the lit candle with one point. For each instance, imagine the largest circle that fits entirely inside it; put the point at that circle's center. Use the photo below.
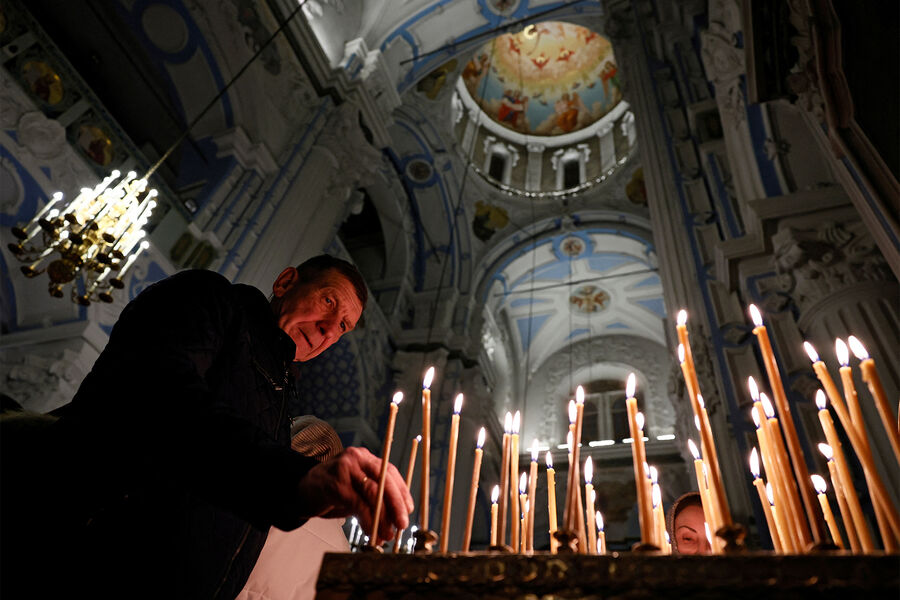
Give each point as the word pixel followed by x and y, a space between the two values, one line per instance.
pixel 701 482
pixel 761 490
pixel 513 474
pixel 601 534
pixel 426 449
pixel 523 499
pixel 473 489
pixel 717 490
pixel 409 475
pixel 770 497
pixel 504 479
pixel 870 376
pixel 846 515
pixel 571 484
pixel 644 510
pixel 495 495
pixel 532 488
pixel 819 485
pixel 659 518
pixel 385 460
pixel 789 502
pixel 523 534
pixel 451 472
pixel 551 501
pixel 575 509
pixel 810 528
pixel 589 504
pixel 832 451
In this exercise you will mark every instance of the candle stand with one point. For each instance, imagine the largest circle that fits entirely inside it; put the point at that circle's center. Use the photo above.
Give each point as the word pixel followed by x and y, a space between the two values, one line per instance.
pixel 733 535
pixel 489 576
pixel 568 541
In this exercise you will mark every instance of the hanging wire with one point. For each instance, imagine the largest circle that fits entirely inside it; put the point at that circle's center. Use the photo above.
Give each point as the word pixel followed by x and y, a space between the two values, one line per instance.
pixel 221 93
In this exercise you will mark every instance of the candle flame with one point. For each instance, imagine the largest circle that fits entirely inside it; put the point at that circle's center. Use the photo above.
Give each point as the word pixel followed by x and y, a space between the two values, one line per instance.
pixel 646 470
pixel 573 412
pixel 754 314
pixel 858 349
pixel 507 423
pixel 593 498
pixel 693 448
pixel 819 483
pixel 654 475
pixel 549 460
pixel 754 463
pixel 495 494
pixel 708 534
pixel 517 419
pixel 579 395
pixel 826 451
pixel 820 399
pixel 534 450
pixel 843 354
pixel 681 355
pixel 588 470
pixel 811 352
pixel 668 539
pixel 754 389
pixel 599 518
pixel 418 438
pixel 697 422
pixel 457 405
pixel 569 440
pixel 770 495
pixel 700 401
pixel 523 482
pixel 656 495
pixel 527 506
pixel 429 376
pixel 755 418
pixel 398 398
pixel 481 435
pixel 640 421
pixel 681 318
pixel 767 406
pixel 629 386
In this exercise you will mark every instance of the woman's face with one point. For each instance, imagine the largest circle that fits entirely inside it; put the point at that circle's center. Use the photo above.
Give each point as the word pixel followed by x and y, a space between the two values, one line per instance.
pixel 690 531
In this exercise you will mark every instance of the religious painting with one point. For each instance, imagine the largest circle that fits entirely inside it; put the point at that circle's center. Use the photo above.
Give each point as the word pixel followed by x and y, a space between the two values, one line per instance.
pixel 95 144
pixel 635 189
pixel 488 220
pixel 431 84
pixel 551 78
pixel 43 81
pixel 572 246
pixel 589 299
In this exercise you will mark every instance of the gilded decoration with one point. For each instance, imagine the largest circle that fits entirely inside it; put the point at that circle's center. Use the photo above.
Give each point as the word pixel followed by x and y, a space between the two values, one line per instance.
pixel 589 299
pixel 43 81
pixel 551 78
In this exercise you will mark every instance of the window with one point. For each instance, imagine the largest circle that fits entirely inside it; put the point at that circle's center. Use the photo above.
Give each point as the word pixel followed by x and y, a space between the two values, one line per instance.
pixel 571 173
pixel 497 166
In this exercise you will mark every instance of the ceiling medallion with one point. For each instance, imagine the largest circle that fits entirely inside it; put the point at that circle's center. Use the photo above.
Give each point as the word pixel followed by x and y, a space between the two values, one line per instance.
pixel 419 170
pixel 589 299
pixel 572 246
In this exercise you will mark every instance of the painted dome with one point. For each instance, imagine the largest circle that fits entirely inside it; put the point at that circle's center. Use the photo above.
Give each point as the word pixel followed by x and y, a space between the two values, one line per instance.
pixel 551 78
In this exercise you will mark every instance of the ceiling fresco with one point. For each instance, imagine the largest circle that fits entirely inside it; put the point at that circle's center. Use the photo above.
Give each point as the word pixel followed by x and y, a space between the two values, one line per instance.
pixel 551 78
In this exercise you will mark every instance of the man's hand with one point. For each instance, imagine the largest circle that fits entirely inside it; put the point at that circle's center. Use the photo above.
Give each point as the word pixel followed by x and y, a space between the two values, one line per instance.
pixel 348 485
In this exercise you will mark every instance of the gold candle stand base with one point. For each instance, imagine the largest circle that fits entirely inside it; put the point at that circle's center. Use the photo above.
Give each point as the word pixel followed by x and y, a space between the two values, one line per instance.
pixel 425 541
pixel 641 547
pixel 368 548
pixel 733 535
pixel 501 549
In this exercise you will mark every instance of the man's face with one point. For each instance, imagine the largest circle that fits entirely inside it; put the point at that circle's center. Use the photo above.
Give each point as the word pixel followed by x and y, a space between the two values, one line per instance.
pixel 690 533
pixel 315 313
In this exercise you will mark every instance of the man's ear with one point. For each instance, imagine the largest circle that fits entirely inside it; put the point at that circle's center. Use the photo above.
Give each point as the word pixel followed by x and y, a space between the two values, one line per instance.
pixel 285 281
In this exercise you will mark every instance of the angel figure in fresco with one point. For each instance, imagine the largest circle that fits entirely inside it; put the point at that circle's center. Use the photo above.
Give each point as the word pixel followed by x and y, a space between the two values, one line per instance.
pixel 512 107
pixel 607 75
pixel 476 69
pixel 564 54
pixel 514 45
pixel 540 61
pixel 567 109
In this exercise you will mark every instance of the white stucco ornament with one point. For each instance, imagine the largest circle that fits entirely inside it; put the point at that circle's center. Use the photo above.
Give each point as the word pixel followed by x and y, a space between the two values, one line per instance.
pixel 44 137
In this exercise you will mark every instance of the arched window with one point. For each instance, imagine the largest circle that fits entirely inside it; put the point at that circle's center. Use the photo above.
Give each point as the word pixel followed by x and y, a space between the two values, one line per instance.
pixel 363 238
pixel 499 159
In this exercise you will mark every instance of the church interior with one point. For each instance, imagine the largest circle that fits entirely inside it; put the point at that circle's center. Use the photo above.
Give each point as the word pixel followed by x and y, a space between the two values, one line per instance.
pixel 532 190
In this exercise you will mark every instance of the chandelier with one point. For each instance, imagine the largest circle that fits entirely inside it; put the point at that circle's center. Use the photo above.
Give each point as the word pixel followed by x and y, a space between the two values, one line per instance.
pixel 99 234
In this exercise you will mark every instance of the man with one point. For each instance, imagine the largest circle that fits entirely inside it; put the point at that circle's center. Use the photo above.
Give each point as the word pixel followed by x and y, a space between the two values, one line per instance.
pixel 162 476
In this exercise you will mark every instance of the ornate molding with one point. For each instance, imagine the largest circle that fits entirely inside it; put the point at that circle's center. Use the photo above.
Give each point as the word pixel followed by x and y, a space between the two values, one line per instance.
pixel 722 59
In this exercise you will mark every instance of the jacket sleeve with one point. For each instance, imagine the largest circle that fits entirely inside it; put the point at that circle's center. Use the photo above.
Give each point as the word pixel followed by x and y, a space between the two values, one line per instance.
pixel 162 348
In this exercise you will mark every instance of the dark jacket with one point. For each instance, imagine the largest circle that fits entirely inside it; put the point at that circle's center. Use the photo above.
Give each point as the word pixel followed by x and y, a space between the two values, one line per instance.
pixel 177 444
